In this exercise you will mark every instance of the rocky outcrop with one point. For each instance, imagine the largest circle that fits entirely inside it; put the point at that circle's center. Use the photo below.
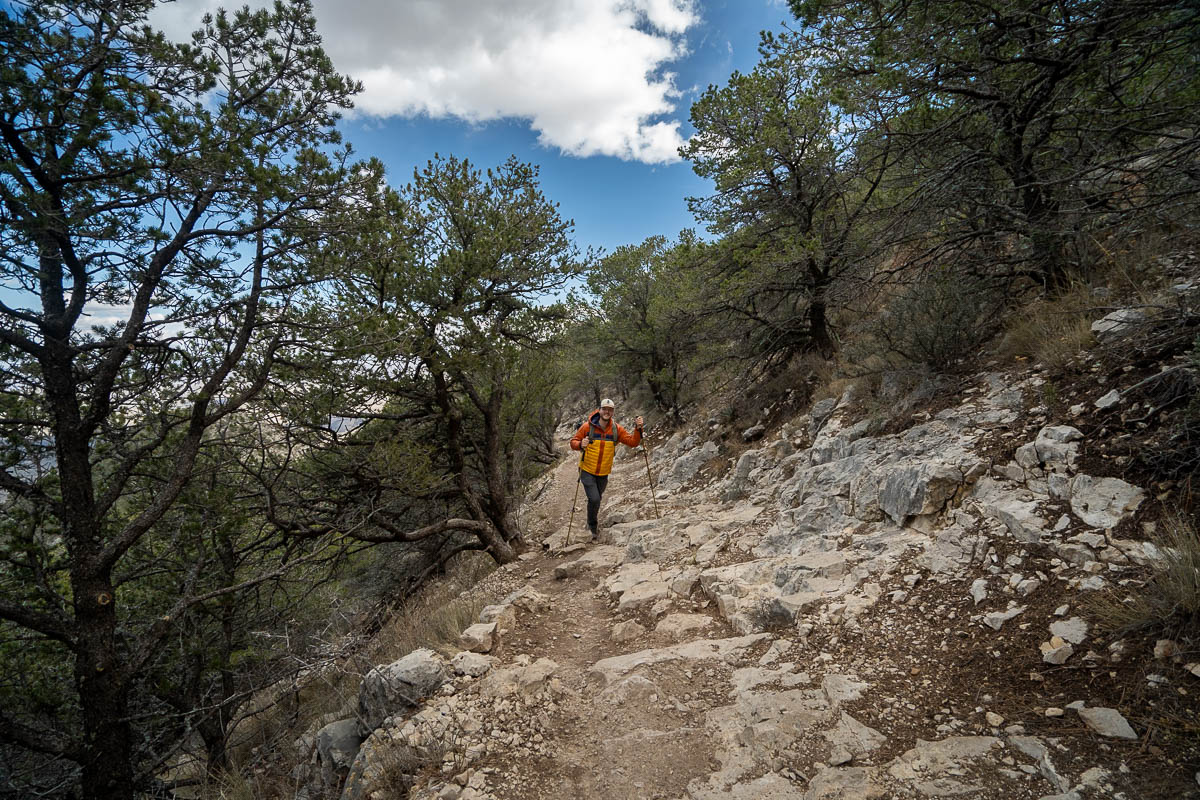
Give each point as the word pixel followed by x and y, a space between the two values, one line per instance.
pixel 826 526
pixel 399 686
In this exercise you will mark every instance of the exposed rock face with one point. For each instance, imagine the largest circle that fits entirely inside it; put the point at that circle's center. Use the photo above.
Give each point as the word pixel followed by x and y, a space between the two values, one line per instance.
pixel 1117 324
pixel 685 467
pixel 795 548
pixel 335 747
pixel 399 686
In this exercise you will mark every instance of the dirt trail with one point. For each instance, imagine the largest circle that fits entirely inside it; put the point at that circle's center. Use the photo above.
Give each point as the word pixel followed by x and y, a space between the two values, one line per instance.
pixel 637 740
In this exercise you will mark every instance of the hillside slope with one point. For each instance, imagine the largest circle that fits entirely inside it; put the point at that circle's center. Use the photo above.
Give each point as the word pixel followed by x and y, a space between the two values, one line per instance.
pixel 838 615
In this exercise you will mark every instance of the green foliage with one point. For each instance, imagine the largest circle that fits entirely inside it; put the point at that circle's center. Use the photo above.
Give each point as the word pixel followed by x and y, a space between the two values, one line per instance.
pixel 795 195
pixel 180 184
pixel 653 319
pixel 432 359
pixel 939 323
pixel 1024 127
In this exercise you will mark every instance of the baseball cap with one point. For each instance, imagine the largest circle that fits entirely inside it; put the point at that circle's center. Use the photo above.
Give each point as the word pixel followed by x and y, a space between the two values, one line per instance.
pixel 607 403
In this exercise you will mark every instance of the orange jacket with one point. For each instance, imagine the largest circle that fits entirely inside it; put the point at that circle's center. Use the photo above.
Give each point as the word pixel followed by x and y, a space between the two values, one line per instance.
pixel 598 456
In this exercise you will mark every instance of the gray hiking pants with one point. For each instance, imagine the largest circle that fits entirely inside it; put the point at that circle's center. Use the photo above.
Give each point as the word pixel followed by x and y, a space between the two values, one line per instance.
pixel 594 486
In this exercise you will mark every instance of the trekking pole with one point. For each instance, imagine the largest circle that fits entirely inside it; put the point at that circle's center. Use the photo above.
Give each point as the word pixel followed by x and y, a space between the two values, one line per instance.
pixel 574 501
pixel 649 475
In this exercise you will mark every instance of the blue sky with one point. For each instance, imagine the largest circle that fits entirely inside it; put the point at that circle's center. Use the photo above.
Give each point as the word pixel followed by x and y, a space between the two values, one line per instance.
pixel 595 92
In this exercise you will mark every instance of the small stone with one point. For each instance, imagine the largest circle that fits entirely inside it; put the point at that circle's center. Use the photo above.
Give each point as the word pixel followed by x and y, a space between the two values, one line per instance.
pixel 479 638
pixel 1061 611
pixel 1056 651
pixel 840 756
pixel 1107 722
pixel 1054 712
pixel 756 432
pixel 624 631
pixel 1165 648
pixel 996 619
pixel 1194 669
pixel 1078 705
pixel 1073 630
pixel 994 719
pixel 979 591
pixel 1109 400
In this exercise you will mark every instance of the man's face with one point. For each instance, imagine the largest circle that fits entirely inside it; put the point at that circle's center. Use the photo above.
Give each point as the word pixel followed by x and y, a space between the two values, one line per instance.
pixel 606 413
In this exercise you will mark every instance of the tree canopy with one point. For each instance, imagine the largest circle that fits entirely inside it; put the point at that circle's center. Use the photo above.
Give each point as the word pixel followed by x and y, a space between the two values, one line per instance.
pixel 173 187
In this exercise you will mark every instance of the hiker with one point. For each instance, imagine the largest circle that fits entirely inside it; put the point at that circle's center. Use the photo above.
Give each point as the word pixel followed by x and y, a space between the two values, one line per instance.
pixel 597 440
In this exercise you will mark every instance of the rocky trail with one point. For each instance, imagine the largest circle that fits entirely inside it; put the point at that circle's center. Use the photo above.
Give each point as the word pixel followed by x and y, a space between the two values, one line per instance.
pixel 837 615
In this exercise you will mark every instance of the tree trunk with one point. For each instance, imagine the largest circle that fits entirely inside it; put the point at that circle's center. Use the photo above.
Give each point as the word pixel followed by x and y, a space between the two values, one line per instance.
pixel 818 326
pixel 99 668
pixel 500 550
pixel 103 693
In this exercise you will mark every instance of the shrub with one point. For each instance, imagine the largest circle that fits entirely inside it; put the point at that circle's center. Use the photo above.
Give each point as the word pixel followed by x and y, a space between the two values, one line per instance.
pixel 940 323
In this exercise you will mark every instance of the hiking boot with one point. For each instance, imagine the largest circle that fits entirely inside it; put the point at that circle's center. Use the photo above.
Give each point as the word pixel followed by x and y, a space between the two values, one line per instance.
pixel 595 534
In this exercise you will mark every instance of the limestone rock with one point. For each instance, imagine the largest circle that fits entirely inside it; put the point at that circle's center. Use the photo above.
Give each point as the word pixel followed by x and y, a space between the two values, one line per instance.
pixel 632 689
pixel 472 664
pixel 929 759
pixel 842 688
pixel 479 638
pixel 1107 722
pixel 337 744
pixel 681 626
pixel 922 488
pixel 996 619
pixel 598 559
pixel 1073 630
pixel 1165 648
pixel 1057 447
pixel 1056 651
pixel 1104 502
pixel 979 591
pixel 529 600
pixel 756 432
pixel 1109 400
pixel 855 737
pixel 820 412
pixel 1117 324
pixel 607 669
pixel 685 467
pixel 398 686
pixel 624 631
pixel 524 676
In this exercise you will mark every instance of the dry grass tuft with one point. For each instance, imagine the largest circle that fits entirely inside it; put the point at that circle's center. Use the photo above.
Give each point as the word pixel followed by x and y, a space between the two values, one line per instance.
pixel 1170 599
pixel 1051 332
pixel 436 615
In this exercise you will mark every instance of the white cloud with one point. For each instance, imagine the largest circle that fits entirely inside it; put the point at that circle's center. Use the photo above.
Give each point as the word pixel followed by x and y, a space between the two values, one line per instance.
pixel 588 75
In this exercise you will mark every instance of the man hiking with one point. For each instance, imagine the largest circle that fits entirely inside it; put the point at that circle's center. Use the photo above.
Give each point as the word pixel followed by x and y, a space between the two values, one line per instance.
pixel 597 440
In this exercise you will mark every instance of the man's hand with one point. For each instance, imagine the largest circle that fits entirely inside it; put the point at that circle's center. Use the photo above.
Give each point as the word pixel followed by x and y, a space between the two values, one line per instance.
pixel 583 444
